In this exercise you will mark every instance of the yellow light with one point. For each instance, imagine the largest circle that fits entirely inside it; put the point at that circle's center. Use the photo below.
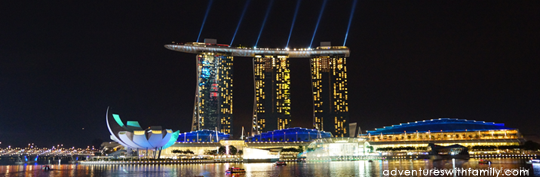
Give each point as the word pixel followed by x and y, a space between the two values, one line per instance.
pixel 138 132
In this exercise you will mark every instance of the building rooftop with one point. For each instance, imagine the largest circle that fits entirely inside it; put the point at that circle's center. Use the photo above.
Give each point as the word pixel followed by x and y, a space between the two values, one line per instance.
pixel 203 135
pixel 290 135
pixel 439 125
pixel 196 47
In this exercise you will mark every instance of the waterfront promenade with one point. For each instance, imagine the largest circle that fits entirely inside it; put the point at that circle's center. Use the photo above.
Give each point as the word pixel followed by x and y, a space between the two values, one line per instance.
pixel 300 169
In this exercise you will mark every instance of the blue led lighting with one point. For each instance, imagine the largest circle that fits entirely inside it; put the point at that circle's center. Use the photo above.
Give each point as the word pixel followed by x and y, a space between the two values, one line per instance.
pixel 290 135
pixel 264 21
pixel 293 21
pixel 240 22
pixel 439 125
pixel 204 20
pixel 350 20
pixel 319 20
pixel 205 72
pixel 203 136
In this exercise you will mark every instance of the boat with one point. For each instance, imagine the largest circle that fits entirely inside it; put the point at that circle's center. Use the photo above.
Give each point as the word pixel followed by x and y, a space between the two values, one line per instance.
pixel 235 170
pixel 532 161
pixel 482 161
pixel 46 168
pixel 370 160
pixel 280 163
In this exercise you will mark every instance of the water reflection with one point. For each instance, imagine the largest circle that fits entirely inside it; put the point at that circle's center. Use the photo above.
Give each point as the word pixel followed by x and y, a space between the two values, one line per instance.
pixel 353 168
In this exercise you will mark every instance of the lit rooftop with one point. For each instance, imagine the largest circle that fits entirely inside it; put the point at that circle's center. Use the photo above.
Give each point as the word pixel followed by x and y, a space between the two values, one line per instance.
pixel 439 125
pixel 197 47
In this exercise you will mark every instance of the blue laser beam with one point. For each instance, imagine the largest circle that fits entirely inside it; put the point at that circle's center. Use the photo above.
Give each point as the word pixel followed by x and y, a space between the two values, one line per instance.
pixel 204 20
pixel 264 21
pixel 318 21
pixel 240 22
pixel 350 20
pixel 293 21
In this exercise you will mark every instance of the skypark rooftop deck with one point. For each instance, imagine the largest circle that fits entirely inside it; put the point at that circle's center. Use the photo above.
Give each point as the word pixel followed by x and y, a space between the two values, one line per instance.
pixel 196 47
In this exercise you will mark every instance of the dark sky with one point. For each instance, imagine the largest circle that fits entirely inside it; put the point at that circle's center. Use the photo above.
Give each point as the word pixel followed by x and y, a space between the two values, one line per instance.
pixel 63 63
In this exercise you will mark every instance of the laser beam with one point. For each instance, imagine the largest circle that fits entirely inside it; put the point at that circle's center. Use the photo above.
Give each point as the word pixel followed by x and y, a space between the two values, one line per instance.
pixel 318 21
pixel 350 20
pixel 264 21
pixel 294 20
pixel 204 20
pixel 240 22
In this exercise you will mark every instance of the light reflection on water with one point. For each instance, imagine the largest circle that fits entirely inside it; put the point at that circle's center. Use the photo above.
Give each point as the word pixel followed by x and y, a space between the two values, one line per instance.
pixel 354 168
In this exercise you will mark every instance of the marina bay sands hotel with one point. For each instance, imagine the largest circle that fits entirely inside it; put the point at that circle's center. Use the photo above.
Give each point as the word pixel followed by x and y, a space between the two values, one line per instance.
pixel 213 107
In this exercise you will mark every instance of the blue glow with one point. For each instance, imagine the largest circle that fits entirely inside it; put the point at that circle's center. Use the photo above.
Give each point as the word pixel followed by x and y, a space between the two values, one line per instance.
pixel 204 135
pixel 290 135
pixel 319 20
pixel 134 124
pixel 264 21
pixel 25 158
pixel 240 22
pixel 204 20
pixel 172 140
pixel 36 158
pixel 350 20
pixel 118 120
pixel 439 125
pixel 293 21
pixel 205 72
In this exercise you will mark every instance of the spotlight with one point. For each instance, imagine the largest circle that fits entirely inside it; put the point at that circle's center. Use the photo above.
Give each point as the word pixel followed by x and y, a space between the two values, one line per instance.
pixel 264 21
pixel 204 20
pixel 294 20
pixel 240 21
pixel 318 21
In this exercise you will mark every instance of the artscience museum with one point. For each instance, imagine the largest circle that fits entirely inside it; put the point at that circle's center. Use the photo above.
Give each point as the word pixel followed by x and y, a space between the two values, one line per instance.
pixel 132 136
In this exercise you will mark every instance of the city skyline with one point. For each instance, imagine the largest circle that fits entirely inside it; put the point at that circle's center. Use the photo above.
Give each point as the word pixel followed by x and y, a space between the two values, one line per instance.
pixel 63 64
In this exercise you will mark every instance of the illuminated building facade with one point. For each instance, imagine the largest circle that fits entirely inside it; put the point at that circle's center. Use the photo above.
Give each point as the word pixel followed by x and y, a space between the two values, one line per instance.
pixel 444 132
pixel 272 102
pixel 272 82
pixel 206 136
pixel 132 136
pixel 329 87
pixel 214 94
pixel 295 134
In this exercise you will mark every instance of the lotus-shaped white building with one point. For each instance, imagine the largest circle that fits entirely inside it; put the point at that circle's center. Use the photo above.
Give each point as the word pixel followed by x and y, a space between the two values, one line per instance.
pixel 131 135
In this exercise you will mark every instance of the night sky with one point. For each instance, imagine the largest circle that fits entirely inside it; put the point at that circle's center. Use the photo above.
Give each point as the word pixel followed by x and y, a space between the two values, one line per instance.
pixel 63 63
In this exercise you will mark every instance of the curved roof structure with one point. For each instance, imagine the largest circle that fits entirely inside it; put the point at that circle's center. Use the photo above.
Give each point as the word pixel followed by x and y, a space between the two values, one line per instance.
pixel 252 52
pixel 203 136
pixel 440 125
pixel 133 136
pixel 290 135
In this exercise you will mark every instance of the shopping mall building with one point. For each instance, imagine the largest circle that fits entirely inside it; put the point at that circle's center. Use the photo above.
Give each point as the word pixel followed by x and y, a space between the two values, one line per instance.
pixel 444 132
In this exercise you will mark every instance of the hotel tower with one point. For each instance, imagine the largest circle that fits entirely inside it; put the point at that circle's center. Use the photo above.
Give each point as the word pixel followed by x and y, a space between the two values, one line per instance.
pixel 272 102
pixel 213 107
pixel 214 91
pixel 329 87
